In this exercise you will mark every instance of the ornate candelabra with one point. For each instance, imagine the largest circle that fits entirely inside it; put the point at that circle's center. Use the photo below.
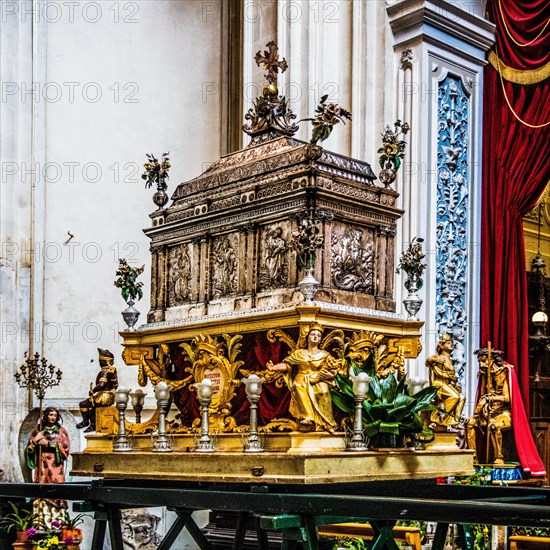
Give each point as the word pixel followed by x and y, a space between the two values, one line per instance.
pixel 204 393
pixel 253 385
pixel 360 389
pixel 162 395
pixel 121 443
pixel 138 400
pixel 38 376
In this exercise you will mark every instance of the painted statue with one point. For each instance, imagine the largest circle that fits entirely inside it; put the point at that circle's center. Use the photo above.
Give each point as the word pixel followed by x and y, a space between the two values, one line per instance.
pixel 308 374
pixel 46 453
pixel 499 407
pixel 449 396
pixel 492 414
pixel 100 394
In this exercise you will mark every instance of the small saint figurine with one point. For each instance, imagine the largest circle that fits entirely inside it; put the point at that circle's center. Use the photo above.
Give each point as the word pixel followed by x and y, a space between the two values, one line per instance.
pixel 308 374
pixel 449 396
pixel 46 452
pixel 499 407
pixel 101 394
pixel 492 413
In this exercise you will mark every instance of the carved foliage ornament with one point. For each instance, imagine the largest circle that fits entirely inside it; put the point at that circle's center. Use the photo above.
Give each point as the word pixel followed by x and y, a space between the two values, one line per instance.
pixel 452 214
pixel 366 345
pixel 218 362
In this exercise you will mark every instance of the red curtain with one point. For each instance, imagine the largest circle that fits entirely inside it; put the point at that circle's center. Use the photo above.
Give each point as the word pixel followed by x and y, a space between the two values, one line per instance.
pixel 516 169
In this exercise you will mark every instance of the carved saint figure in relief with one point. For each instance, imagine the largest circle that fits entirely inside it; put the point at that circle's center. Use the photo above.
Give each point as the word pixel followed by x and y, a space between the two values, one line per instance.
pixel 180 276
pixel 309 373
pixel 492 413
pixel 224 269
pixel 273 273
pixel 442 374
pixel 352 262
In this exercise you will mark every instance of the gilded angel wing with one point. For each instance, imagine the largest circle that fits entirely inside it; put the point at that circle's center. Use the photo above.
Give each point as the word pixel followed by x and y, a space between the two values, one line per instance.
pixel 336 338
pixel 276 334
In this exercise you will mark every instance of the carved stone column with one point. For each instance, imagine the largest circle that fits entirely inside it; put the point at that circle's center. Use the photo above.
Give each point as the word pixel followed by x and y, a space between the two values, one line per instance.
pixel 154 279
pixel 195 270
pixel 205 271
pixel 440 50
pixel 162 290
pixel 385 269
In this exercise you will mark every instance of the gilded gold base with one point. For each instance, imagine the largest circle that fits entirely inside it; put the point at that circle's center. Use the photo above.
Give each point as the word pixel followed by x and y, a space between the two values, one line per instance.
pixel 292 457
pixel 303 468
pixel 443 440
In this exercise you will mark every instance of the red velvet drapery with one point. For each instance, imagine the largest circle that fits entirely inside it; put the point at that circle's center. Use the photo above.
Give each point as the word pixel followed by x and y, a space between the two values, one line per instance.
pixel 515 173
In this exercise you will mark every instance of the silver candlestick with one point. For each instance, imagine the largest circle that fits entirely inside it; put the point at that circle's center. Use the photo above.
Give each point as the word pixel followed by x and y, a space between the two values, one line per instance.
pixel 162 395
pixel 204 393
pixel 121 443
pixel 416 385
pixel 138 400
pixel 253 385
pixel 360 389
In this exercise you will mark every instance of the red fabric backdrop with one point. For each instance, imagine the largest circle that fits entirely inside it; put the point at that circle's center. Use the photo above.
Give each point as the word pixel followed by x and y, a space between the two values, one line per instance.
pixel 515 173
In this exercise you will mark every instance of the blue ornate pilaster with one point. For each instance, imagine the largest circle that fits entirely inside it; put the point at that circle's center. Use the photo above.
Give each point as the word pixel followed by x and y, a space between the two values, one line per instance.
pixel 453 109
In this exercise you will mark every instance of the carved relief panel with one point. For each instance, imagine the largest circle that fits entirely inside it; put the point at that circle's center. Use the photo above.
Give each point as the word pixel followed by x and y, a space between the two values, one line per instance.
pixel 453 197
pixel 224 266
pixel 179 269
pixel 274 257
pixel 352 258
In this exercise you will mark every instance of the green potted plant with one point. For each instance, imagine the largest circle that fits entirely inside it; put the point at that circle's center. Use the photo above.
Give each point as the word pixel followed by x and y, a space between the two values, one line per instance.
pixel 71 530
pixel 391 414
pixel 18 520
pixel 130 290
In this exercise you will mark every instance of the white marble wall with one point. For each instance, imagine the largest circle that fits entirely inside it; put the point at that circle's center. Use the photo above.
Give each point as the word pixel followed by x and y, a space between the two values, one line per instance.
pixel 16 150
pixel 89 88
pixel 140 77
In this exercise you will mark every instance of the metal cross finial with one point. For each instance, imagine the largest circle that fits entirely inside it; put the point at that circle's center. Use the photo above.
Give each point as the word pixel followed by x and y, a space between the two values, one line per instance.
pixel 270 60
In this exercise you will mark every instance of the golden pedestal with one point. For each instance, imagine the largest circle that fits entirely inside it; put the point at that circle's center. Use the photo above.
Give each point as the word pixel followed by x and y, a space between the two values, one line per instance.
pixel 301 468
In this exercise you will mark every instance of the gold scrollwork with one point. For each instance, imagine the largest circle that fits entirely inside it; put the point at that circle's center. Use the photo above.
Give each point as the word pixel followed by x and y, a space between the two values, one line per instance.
pixel 269 376
pixel 155 370
pixel 280 425
pixel 411 346
pixel 276 334
pixel 143 427
pixel 388 359
pixel 208 359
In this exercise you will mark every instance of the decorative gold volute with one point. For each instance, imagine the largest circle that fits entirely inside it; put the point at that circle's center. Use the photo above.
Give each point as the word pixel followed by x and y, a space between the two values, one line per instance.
pixel 155 370
pixel 218 362
pixel 388 357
